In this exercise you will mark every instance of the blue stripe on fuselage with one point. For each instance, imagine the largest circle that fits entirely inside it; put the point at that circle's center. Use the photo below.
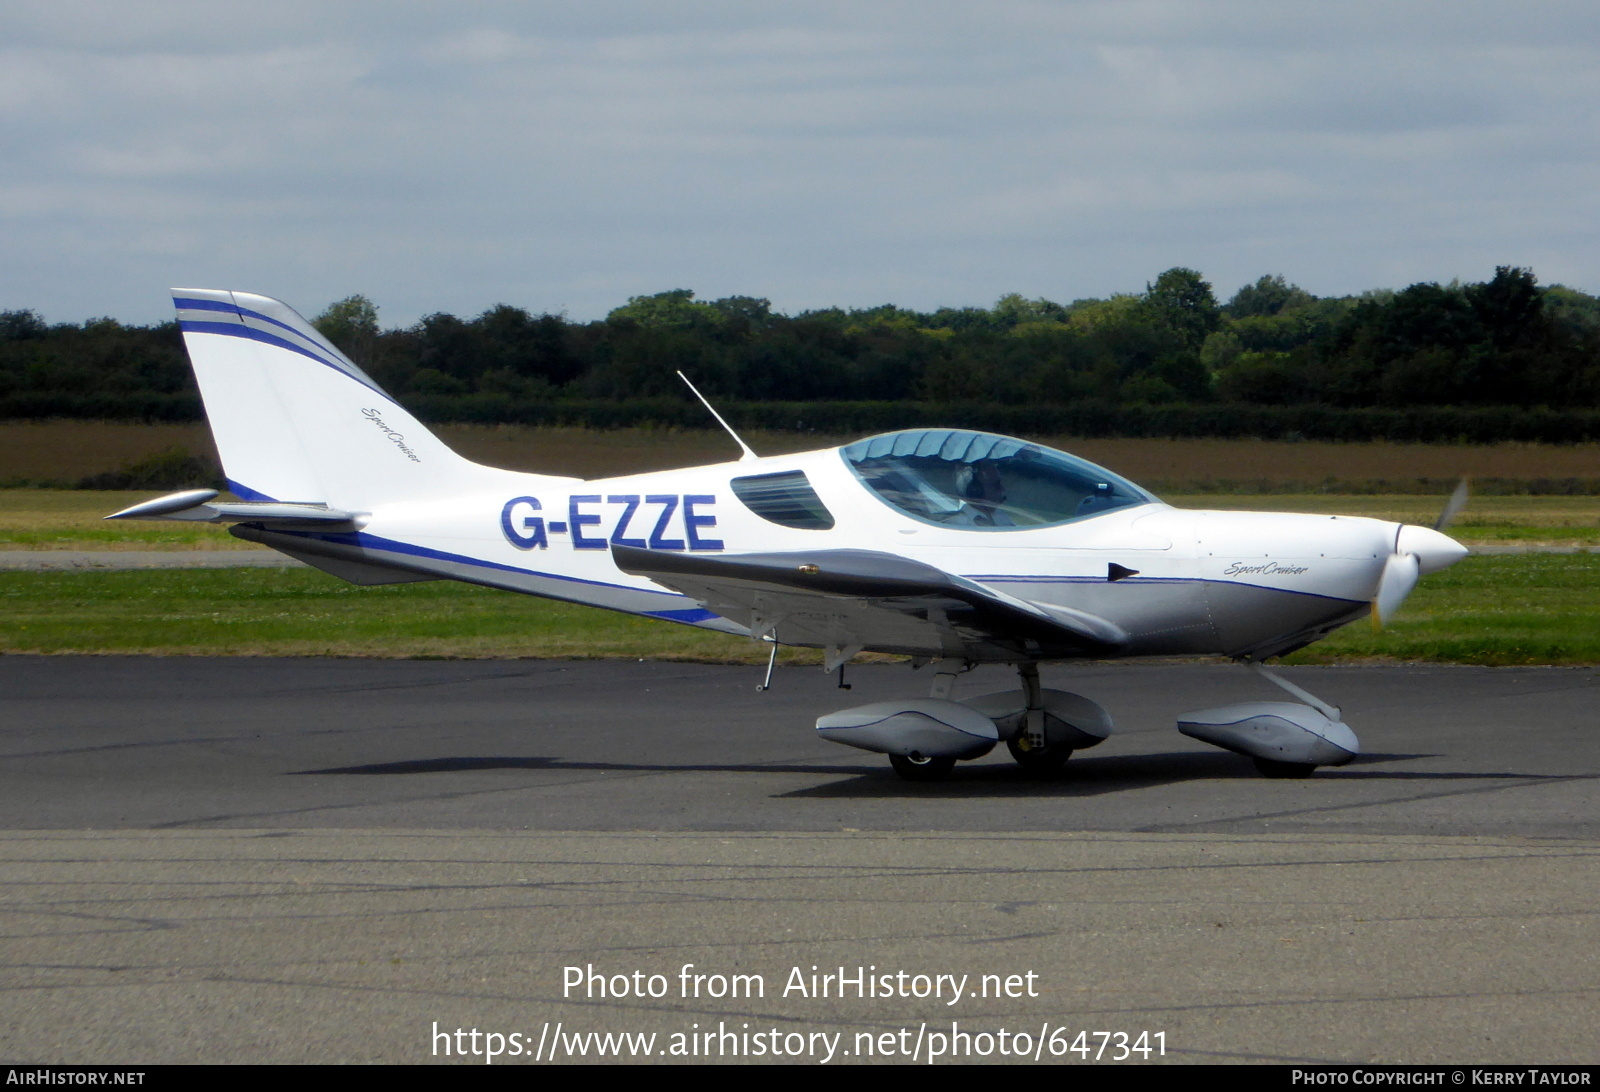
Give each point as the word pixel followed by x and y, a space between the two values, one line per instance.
pixel 377 542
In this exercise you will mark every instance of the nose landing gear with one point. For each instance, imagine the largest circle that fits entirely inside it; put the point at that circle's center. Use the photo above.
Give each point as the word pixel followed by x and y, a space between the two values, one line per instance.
pixel 920 767
pixel 1286 740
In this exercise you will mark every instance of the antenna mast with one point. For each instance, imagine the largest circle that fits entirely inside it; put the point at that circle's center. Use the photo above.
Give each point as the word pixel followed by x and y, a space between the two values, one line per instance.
pixel 748 454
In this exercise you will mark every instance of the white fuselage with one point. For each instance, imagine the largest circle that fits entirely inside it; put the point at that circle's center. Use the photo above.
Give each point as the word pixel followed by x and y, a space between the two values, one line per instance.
pixel 1197 582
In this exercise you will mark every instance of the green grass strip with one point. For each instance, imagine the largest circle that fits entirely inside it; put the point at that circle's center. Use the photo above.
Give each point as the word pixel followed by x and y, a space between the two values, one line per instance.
pixel 1495 611
pixel 1535 609
pixel 297 612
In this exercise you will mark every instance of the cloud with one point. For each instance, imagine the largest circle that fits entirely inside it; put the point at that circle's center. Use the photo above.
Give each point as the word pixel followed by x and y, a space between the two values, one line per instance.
pixel 557 156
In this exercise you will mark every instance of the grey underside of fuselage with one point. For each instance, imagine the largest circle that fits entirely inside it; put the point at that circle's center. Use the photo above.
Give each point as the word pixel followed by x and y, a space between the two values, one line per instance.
pixel 1262 622
pixel 1166 617
pixel 311 548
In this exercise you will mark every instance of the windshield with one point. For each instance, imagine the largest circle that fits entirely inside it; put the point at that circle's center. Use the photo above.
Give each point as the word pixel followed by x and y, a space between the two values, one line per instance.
pixel 981 481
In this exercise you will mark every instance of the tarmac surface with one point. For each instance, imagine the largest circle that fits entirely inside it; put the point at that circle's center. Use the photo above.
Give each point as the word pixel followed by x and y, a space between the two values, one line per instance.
pixel 41 561
pixel 330 860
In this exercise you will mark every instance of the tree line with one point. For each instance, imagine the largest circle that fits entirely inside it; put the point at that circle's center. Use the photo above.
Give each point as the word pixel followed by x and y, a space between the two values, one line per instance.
pixel 1171 352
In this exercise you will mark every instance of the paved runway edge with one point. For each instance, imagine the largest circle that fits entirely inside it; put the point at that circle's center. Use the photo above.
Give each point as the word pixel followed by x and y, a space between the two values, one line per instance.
pixel 122 560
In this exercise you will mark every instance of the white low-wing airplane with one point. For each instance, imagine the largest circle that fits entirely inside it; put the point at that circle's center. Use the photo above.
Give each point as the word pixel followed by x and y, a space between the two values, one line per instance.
pixel 953 547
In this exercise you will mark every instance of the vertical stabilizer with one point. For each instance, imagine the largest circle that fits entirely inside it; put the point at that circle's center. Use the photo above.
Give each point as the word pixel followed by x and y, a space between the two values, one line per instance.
pixel 296 420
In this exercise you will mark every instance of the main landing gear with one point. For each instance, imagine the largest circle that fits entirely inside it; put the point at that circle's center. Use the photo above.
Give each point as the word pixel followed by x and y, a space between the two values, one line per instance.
pixel 1031 746
pixel 924 738
pixel 922 767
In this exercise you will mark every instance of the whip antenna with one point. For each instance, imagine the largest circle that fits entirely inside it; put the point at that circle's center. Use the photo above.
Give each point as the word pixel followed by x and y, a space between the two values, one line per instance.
pixel 748 454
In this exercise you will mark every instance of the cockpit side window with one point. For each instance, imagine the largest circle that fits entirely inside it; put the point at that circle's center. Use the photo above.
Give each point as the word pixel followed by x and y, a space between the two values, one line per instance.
pixel 785 498
pixel 980 481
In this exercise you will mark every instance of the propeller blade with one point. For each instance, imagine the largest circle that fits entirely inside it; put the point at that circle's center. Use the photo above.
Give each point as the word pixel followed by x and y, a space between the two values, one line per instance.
pixel 1400 574
pixel 1453 506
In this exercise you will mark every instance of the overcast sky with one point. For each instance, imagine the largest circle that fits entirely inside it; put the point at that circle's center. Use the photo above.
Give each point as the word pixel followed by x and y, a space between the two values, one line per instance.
pixel 564 156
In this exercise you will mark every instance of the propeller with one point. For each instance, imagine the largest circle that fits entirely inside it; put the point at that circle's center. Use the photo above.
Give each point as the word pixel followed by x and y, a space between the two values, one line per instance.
pixel 1453 506
pixel 1400 575
pixel 1417 550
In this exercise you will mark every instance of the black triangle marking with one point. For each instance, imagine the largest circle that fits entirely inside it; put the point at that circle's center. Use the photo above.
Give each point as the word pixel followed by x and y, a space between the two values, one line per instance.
pixel 1119 572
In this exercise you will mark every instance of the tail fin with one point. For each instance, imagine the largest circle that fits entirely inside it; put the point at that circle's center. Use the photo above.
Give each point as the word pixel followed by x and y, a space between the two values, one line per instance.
pixel 296 420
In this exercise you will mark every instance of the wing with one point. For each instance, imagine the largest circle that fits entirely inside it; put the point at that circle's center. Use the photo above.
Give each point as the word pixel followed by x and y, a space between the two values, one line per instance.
pixel 863 599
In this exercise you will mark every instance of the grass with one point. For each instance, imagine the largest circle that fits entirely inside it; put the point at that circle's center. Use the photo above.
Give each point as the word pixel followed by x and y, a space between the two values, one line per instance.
pixel 33 452
pixel 1354 478
pixel 1540 609
pixel 298 612
pixel 61 452
pixel 1573 520
pixel 70 519
pixel 1487 610
pixel 64 451
pixel 1494 611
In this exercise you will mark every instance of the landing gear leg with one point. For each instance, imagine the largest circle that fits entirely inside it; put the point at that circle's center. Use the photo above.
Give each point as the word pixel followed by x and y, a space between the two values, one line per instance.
pixel 1330 711
pixel 772 661
pixel 1030 747
pixel 1275 768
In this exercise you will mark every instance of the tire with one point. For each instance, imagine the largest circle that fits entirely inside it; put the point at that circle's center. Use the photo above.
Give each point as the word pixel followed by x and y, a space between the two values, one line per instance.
pixel 1045 763
pixel 922 769
pixel 1271 767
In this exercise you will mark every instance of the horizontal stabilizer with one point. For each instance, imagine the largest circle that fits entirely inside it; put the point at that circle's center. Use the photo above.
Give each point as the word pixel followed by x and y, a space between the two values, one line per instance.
pixel 168 507
pixel 200 505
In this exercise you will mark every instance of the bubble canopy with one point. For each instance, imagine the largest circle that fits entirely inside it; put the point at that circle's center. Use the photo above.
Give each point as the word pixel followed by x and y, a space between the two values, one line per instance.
pixel 983 482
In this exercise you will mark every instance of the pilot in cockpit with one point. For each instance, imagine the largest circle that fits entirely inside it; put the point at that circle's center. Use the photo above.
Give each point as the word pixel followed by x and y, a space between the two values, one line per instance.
pixel 985 493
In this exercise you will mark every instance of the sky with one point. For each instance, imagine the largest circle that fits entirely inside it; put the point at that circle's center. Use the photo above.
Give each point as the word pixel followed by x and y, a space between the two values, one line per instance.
pixel 562 157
